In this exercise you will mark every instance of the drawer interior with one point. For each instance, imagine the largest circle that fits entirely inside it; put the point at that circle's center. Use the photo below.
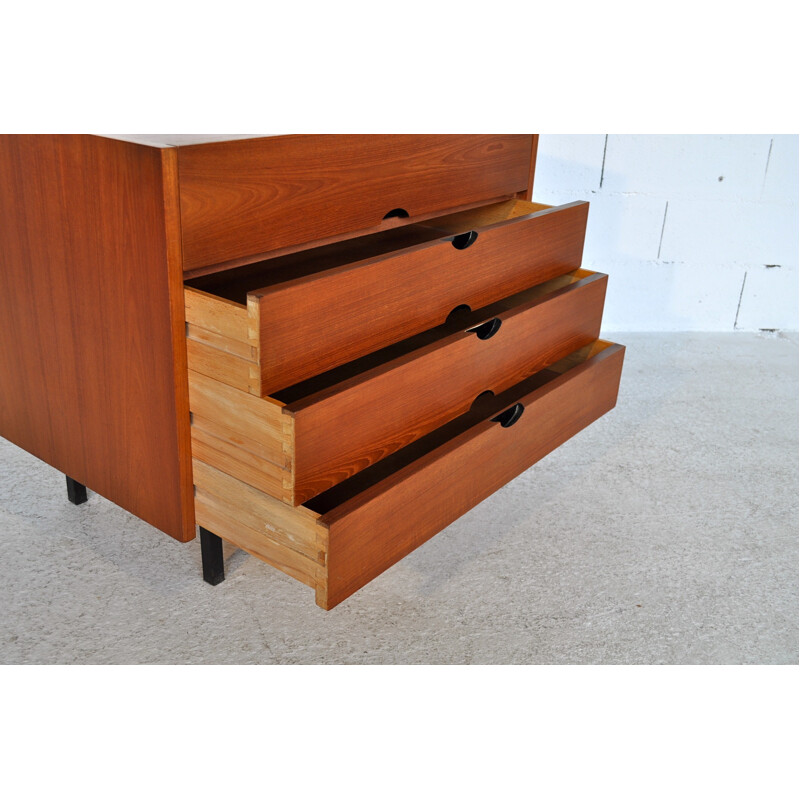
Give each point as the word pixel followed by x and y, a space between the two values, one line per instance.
pixel 235 284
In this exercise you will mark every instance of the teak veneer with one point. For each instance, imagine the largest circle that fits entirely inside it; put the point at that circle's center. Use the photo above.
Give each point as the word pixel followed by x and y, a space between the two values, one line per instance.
pixel 92 355
pixel 314 347
pixel 254 196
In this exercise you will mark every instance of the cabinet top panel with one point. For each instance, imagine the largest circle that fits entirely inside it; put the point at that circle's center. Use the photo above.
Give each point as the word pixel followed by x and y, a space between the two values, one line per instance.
pixel 180 139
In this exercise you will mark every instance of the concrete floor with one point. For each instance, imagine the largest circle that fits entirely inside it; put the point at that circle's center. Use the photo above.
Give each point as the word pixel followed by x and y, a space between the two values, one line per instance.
pixel 666 533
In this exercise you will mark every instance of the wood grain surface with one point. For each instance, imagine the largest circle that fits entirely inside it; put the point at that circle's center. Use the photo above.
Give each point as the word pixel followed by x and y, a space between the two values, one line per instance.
pixel 92 360
pixel 311 324
pixel 214 314
pixel 381 524
pixel 528 193
pixel 253 196
pixel 220 516
pixel 381 410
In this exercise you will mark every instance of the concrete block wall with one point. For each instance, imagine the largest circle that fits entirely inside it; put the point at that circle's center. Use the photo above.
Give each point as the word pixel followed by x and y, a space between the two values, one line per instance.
pixel 696 232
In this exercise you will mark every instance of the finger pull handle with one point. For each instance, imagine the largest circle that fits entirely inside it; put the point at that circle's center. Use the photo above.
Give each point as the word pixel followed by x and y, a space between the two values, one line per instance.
pixel 510 416
pixel 399 213
pixel 465 240
pixel 487 329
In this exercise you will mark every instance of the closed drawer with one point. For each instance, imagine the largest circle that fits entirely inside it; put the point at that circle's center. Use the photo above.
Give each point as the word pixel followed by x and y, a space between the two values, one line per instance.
pixel 285 320
pixel 345 537
pixel 302 441
pixel 248 197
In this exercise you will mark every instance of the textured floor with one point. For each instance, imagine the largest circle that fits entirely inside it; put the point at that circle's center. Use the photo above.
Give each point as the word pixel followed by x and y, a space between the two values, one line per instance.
pixel 667 532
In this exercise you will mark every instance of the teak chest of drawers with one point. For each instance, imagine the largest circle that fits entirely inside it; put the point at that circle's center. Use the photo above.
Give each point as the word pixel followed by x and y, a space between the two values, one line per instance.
pixel 322 349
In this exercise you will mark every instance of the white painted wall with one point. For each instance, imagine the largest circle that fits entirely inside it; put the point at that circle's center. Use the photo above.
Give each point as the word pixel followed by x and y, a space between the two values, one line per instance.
pixel 696 233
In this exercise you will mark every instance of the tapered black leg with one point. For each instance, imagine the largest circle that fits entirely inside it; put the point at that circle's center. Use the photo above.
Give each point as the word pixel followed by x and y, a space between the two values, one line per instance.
pixel 213 563
pixel 76 492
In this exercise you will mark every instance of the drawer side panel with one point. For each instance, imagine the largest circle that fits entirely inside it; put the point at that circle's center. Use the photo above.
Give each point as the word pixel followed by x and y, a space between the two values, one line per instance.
pixel 293 529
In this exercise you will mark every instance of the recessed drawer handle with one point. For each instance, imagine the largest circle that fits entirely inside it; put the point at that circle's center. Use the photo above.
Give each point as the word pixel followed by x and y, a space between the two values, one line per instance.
pixel 464 240
pixel 396 212
pixel 487 329
pixel 510 415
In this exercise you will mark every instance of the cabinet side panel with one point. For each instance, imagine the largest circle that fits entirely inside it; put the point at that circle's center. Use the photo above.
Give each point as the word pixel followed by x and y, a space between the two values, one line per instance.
pixel 87 337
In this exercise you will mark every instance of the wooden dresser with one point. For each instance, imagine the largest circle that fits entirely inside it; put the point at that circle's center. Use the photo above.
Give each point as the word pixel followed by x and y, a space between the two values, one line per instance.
pixel 322 349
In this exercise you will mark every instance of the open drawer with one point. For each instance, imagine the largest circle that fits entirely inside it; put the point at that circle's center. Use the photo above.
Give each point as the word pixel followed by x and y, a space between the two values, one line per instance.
pixel 305 439
pixel 267 326
pixel 346 536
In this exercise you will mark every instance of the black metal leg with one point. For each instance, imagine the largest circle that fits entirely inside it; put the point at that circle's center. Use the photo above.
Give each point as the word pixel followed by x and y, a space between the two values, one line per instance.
pixel 76 492
pixel 213 563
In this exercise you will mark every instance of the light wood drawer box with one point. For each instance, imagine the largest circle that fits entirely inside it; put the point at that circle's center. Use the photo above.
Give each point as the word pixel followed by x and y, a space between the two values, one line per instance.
pixel 301 441
pixel 345 537
pixel 253 196
pixel 285 320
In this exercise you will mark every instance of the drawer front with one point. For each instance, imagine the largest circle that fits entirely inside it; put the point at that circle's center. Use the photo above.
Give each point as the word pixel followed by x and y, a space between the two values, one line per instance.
pixel 255 196
pixel 380 410
pixel 315 323
pixel 377 527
